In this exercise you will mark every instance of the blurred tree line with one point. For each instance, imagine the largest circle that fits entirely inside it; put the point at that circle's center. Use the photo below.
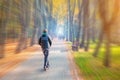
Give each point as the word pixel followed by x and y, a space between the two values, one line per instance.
pixel 84 21
pixel 97 21
pixel 22 21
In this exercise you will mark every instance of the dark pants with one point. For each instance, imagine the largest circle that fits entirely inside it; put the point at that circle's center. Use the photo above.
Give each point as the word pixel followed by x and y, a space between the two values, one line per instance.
pixel 46 53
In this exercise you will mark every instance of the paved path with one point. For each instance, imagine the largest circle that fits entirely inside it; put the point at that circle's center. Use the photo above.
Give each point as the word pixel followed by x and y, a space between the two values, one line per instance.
pixel 32 69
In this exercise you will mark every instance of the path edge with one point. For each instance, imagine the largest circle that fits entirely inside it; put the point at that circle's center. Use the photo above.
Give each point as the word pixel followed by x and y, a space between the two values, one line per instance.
pixel 75 71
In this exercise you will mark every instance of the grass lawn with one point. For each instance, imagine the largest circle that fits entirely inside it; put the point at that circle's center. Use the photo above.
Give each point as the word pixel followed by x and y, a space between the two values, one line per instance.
pixel 93 69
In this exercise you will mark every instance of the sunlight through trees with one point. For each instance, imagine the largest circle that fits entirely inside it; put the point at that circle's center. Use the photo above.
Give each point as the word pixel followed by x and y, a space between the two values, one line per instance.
pixel 83 22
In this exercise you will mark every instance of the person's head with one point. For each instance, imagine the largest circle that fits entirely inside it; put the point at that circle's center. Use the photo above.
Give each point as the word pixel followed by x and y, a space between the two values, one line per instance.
pixel 45 31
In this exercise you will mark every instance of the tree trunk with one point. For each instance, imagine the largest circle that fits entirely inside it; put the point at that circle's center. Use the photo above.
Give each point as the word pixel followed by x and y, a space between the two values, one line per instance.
pixel 69 20
pixel 93 34
pixel 99 43
pixel 85 23
pixel 93 26
pixel 2 38
pixel 3 23
pixel 83 38
pixel 107 53
pixel 35 29
pixel 79 24
pixel 88 40
pixel 71 16
pixel 24 21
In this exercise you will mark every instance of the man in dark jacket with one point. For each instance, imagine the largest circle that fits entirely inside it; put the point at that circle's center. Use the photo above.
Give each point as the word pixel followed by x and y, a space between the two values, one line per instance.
pixel 45 43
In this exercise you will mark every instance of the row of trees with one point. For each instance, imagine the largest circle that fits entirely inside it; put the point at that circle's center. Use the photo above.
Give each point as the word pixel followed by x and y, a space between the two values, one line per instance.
pixel 22 21
pixel 91 12
pixel 84 21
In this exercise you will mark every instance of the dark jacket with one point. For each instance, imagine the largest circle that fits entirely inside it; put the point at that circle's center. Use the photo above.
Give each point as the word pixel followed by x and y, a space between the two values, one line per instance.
pixel 45 41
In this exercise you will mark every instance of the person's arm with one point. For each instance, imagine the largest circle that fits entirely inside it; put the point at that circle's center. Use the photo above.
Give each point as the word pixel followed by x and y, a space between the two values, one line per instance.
pixel 50 41
pixel 39 41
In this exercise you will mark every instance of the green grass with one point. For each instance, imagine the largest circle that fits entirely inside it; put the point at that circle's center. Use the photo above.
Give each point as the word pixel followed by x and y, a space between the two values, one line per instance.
pixel 93 69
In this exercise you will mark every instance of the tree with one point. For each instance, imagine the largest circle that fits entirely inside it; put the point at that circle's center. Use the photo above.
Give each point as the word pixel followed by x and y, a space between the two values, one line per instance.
pixel 35 17
pixel 24 19
pixel 106 24
pixel 4 14
pixel 80 5
pixel 85 33
pixel 71 10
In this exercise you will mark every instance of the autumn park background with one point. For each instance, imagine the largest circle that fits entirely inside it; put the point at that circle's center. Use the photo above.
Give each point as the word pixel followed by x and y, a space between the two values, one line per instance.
pixel 91 29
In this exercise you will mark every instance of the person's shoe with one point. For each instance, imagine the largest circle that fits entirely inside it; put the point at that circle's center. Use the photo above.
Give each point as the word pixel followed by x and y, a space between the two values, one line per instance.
pixel 47 66
pixel 44 68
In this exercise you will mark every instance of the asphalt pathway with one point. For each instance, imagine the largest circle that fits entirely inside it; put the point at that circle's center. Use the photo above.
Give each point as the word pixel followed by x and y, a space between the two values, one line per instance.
pixel 32 68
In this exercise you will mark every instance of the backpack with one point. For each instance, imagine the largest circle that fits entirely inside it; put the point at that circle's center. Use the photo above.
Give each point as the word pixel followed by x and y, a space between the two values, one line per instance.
pixel 44 42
